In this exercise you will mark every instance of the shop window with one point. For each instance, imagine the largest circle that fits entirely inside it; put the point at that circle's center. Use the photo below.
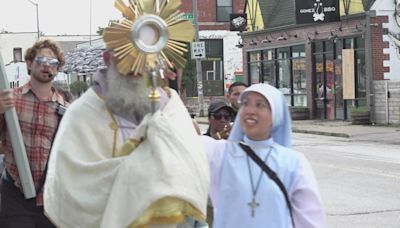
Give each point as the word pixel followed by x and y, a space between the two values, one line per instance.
pixel 255 66
pixel 269 72
pixel 224 9
pixel 348 43
pixel 299 82
pixel 284 75
pixel 361 75
pixel 360 42
pixel 268 55
pixel 328 78
pixel 283 68
pixel 328 46
pixel 338 49
pixel 255 72
pixel 318 46
pixel 255 56
pixel 298 51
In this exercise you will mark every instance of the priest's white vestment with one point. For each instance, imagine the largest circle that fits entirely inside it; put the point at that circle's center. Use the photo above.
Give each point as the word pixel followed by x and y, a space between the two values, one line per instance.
pixel 89 184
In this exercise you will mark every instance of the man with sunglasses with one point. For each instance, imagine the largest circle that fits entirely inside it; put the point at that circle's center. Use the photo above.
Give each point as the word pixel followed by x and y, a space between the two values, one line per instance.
pixel 220 115
pixel 37 105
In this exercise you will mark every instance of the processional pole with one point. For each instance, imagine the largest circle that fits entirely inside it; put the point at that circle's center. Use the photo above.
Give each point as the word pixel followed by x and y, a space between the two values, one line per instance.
pixel 17 142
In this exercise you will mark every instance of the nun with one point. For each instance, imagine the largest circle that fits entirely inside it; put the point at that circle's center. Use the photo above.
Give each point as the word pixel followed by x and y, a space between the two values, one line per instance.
pixel 257 179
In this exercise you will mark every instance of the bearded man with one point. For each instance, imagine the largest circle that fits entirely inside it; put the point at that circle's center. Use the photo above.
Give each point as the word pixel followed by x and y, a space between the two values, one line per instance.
pixel 113 164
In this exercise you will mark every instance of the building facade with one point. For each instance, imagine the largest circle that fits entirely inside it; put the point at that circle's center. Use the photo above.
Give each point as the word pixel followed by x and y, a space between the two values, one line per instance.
pixel 223 63
pixel 325 69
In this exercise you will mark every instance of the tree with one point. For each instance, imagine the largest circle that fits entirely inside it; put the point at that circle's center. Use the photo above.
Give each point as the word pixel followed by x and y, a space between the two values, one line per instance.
pixel 189 73
pixel 78 87
pixel 100 30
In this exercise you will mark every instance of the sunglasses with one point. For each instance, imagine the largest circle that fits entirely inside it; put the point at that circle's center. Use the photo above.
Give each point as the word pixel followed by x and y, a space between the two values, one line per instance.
pixel 218 116
pixel 42 60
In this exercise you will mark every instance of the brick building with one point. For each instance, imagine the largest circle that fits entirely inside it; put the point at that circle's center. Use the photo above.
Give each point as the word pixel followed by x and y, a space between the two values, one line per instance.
pixel 223 62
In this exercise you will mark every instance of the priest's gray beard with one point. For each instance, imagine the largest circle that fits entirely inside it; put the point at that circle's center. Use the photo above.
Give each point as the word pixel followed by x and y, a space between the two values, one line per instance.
pixel 127 96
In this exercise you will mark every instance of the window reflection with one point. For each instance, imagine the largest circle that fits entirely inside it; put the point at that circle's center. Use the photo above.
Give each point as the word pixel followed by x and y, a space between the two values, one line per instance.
pixel 284 68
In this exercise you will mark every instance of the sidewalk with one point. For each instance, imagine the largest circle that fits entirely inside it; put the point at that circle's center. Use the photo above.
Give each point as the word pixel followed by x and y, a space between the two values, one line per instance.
pixel 382 134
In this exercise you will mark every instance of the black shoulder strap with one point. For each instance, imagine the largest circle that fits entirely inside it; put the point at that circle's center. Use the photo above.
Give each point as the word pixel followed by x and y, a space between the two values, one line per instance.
pixel 271 174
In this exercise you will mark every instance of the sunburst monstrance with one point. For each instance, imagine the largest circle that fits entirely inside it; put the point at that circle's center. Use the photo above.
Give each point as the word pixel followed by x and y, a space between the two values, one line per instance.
pixel 152 33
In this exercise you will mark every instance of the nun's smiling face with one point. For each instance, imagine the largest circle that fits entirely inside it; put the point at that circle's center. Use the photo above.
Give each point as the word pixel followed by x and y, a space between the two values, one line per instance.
pixel 255 116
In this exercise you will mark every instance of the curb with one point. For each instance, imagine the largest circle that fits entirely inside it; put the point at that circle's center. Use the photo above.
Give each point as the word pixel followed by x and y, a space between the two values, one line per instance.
pixel 334 134
pixel 295 130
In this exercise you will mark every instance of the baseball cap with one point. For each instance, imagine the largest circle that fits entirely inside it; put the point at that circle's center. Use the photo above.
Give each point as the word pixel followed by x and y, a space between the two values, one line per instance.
pixel 217 105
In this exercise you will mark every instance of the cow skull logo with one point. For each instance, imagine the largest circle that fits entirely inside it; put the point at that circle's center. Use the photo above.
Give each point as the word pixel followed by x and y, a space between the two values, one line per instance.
pixel 319 14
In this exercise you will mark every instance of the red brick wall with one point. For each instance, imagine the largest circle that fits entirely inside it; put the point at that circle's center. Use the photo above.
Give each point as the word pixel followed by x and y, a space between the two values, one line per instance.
pixel 377 47
pixel 207 13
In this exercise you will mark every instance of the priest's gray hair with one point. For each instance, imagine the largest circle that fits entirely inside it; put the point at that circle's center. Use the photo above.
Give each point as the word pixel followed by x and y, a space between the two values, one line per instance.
pixel 127 96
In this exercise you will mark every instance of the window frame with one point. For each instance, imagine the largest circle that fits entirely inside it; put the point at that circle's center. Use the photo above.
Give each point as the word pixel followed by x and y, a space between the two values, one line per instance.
pixel 220 4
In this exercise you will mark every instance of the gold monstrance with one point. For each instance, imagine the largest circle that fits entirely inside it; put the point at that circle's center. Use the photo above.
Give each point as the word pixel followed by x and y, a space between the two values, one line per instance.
pixel 151 36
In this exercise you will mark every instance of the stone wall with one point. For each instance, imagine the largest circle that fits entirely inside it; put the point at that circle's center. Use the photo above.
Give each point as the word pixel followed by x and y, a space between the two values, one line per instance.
pixel 192 103
pixel 387 102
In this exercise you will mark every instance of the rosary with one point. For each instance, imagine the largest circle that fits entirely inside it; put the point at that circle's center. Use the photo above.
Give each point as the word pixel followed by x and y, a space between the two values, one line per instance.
pixel 254 204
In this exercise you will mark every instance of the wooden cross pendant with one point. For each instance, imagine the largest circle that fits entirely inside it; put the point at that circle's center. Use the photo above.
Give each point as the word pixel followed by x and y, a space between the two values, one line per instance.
pixel 253 204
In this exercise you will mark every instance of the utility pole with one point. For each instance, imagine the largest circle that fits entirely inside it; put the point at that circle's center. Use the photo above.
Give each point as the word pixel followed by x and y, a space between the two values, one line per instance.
pixel 198 63
pixel 37 17
pixel 90 23
pixel 369 66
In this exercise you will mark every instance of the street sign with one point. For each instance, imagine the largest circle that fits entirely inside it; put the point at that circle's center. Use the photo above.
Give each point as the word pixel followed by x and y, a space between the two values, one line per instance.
pixel 198 50
pixel 186 16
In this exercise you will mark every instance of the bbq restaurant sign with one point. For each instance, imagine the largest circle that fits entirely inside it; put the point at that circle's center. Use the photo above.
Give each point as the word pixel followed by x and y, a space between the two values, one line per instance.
pixel 238 21
pixel 317 11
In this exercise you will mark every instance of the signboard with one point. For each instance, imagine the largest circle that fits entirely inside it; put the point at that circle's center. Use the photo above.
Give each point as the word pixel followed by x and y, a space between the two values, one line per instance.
pixel 349 91
pixel 317 11
pixel 238 21
pixel 187 17
pixel 198 50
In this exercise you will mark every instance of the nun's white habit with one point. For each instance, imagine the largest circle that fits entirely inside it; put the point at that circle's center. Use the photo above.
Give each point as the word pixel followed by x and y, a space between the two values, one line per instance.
pixel 236 180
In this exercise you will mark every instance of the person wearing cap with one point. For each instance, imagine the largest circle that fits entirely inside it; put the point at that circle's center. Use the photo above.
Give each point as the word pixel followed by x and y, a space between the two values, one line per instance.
pixel 220 116
pixel 244 192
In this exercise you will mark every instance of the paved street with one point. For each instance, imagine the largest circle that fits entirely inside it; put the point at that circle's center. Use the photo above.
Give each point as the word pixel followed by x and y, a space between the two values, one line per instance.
pixel 359 181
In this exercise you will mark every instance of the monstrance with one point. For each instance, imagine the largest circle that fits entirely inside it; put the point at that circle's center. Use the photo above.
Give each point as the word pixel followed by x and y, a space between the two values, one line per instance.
pixel 150 37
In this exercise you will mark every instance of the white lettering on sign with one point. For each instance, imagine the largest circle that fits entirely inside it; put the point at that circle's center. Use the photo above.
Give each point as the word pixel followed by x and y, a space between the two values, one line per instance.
pixel 198 50
pixel 329 9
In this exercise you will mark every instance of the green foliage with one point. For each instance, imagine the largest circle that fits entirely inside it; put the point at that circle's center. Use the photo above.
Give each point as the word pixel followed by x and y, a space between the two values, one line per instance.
pixel 188 72
pixel 78 87
pixel 359 109
pixel 100 30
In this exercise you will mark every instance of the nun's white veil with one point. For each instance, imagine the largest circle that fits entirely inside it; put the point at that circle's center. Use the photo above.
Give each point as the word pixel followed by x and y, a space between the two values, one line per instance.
pixel 281 122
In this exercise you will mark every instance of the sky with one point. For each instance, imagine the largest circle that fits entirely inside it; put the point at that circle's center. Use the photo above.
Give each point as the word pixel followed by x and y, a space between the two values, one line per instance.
pixel 57 17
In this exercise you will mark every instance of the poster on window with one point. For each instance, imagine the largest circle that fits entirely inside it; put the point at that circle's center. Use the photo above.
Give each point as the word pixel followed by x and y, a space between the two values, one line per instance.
pixel 317 11
pixel 238 21
pixel 349 77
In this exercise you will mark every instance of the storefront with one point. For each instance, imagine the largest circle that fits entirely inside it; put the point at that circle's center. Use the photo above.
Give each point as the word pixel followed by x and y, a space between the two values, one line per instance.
pixel 306 64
